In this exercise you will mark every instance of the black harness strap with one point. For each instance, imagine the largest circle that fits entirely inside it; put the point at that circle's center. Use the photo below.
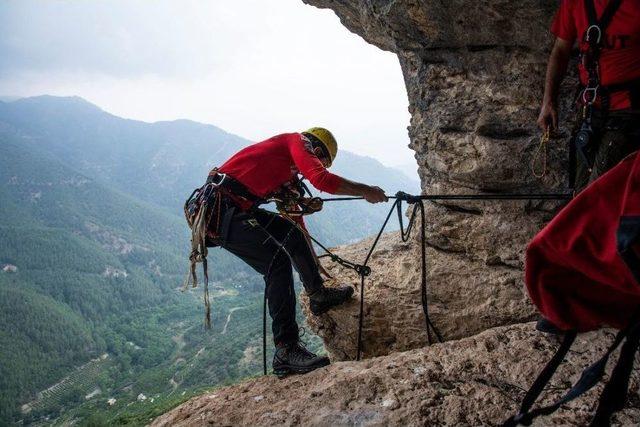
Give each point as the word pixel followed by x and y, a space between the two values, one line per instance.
pixel 614 395
pixel 595 37
pixel 605 19
pixel 539 384
pixel 589 378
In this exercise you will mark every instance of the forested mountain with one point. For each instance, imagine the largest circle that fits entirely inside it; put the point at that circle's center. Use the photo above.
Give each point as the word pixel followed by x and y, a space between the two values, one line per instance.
pixel 92 252
pixel 162 162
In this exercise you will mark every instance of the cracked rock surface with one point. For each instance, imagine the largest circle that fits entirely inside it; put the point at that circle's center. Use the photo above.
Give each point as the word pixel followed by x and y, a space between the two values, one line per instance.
pixel 473 381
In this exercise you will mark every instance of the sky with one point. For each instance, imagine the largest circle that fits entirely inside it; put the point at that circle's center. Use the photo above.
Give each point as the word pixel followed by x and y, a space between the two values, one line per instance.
pixel 254 68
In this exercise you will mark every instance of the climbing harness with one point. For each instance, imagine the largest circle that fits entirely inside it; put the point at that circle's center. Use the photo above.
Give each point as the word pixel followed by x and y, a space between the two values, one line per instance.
pixel 539 160
pixel 594 36
pixel 199 209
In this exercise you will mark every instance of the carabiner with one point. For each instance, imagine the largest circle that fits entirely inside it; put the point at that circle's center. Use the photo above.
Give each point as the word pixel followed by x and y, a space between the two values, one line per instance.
pixel 590 90
pixel 588 33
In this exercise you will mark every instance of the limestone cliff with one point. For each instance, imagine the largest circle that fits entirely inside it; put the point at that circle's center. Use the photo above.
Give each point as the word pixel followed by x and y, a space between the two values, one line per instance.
pixel 474 76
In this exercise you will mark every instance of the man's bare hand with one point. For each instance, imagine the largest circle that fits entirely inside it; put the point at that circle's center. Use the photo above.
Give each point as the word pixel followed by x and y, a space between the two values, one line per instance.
pixel 375 194
pixel 548 118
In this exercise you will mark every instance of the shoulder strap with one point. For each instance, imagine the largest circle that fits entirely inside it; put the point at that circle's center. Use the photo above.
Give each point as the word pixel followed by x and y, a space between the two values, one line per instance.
pixel 607 15
pixel 590 7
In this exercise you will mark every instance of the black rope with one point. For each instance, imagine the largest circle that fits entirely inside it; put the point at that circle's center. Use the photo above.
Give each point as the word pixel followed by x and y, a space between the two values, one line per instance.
pixel 363 270
pixel 418 205
pixel 266 284
pixel 487 196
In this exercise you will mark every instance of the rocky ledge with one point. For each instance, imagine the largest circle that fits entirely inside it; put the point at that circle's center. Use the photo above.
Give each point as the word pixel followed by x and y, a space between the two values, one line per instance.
pixel 464 299
pixel 472 381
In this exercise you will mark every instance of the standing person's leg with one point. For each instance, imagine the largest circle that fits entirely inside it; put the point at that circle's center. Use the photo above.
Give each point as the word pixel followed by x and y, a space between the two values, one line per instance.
pixel 619 138
pixel 247 239
pixel 296 246
pixel 321 298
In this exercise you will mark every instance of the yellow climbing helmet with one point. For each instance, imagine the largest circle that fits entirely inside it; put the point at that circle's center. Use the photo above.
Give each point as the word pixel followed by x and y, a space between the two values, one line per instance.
pixel 327 139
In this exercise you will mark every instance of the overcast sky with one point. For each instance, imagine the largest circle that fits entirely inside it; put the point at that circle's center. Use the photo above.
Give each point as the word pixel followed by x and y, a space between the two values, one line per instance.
pixel 252 67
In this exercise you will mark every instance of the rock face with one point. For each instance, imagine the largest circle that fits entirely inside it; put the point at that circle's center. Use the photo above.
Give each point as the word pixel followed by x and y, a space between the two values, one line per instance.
pixel 394 320
pixel 474 381
pixel 474 75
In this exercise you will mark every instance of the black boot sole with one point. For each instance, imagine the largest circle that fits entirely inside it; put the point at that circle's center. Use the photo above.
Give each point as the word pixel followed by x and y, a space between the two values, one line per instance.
pixel 286 370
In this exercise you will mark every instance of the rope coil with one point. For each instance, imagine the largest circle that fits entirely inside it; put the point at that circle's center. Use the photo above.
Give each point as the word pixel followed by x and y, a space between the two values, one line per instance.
pixel 539 160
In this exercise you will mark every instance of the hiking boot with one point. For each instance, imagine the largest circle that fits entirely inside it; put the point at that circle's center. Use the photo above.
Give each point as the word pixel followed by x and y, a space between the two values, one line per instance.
pixel 545 325
pixel 293 358
pixel 323 299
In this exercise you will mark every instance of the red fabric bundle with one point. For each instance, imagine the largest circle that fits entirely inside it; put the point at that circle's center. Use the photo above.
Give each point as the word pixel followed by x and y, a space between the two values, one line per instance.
pixel 582 269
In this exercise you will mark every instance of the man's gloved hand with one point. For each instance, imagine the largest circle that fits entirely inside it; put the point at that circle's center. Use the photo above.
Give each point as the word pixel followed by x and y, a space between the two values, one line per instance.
pixel 312 204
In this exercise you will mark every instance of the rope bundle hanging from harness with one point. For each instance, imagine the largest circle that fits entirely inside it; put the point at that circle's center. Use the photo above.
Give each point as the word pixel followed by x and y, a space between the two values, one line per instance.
pixel 198 210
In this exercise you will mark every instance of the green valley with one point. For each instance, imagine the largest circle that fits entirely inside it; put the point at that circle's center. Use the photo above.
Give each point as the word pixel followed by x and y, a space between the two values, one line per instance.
pixel 93 250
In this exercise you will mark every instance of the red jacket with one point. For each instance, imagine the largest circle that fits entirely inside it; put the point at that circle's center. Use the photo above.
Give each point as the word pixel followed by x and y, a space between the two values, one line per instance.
pixel 266 166
pixel 620 58
pixel 583 268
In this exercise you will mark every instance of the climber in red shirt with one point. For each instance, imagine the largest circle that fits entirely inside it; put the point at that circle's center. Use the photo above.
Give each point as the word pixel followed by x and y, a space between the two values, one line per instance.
pixel 272 244
pixel 608 36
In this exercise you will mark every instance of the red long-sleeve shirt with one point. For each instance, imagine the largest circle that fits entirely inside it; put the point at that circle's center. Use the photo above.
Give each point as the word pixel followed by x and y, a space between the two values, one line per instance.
pixel 620 56
pixel 266 166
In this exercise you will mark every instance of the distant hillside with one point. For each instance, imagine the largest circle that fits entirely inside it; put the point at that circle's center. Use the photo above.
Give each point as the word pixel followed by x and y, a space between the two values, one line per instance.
pixel 94 245
pixel 92 269
pixel 162 162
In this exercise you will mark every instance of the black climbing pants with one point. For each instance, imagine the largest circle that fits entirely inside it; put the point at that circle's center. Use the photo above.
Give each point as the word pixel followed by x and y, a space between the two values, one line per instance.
pixel 271 245
pixel 615 137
